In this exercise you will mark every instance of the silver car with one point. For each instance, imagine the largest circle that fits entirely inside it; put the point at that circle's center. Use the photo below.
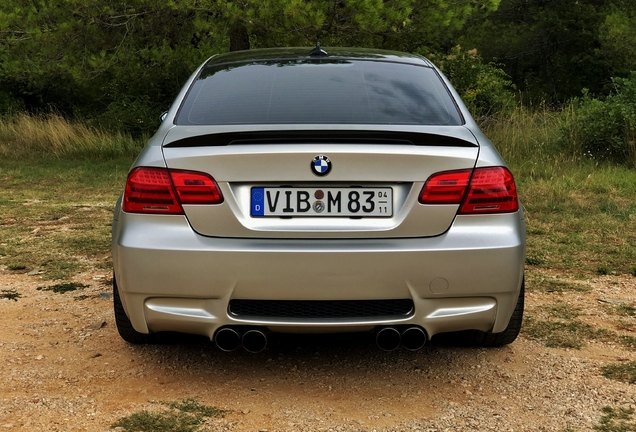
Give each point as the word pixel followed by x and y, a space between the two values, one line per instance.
pixel 317 191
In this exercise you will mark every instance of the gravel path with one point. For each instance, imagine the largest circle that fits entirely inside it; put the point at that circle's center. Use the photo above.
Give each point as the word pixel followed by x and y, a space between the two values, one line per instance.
pixel 65 368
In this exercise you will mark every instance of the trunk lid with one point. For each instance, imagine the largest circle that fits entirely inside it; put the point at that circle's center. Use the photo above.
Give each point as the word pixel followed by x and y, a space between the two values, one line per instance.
pixel 279 164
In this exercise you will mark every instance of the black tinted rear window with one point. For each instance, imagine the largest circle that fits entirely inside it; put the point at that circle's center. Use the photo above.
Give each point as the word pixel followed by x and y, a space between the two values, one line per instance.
pixel 325 91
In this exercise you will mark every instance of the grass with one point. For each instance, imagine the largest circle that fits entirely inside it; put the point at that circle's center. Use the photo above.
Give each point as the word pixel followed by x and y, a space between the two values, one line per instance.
pixel 62 288
pixel 622 310
pixel 564 333
pixel 582 218
pixel 625 372
pixel 22 136
pixel 561 329
pixel 187 415
pixel 580 213
pixel 616 420
pixel 56 214
pixel 562 310
pixel 538 283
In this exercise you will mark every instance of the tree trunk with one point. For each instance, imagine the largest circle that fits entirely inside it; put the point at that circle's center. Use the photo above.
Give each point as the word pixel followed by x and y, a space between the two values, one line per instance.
pixel 239 39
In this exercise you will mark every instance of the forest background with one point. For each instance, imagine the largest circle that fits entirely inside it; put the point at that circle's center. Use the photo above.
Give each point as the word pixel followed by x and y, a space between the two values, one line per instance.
pixel 114 66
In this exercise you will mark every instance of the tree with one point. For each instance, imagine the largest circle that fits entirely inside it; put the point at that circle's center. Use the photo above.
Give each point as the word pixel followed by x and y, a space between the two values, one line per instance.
pixel 555 48
pixel 120 63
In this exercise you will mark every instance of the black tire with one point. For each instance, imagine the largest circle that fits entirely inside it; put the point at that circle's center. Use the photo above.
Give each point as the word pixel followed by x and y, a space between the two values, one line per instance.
pixel 124 326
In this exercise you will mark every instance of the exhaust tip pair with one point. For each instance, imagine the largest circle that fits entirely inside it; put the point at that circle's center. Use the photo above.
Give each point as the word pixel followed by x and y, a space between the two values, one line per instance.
pixel 412 338
pixel 228 339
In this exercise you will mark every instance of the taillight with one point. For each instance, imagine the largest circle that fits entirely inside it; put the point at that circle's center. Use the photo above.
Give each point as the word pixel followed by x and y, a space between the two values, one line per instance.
pixel 445 187
pixel 159 191
pixel 490 190
pixel 196 188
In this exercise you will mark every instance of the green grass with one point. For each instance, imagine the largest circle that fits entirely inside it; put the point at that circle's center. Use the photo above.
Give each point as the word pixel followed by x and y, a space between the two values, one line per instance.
pixel 562 310
pixel 537 283
pixel 62 288
pixel 583 218
pixel 562 329
pixel 624 310
pixel 616 420
pixel 56 214
pixel 625 372
pixel 184 416
pixel 579 214
pixel 564 333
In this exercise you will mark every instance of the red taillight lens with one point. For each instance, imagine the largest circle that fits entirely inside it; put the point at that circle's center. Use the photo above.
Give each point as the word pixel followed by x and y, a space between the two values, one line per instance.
pixel 196 188
pixel 445 187
pixel 159 191
pixel 492 190
pixel 149 190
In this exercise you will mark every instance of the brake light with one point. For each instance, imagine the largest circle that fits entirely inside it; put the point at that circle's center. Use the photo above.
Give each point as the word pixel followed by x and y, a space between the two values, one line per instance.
pixel 490 190
pixel 159 191
pixel 445 187
pixel 196 188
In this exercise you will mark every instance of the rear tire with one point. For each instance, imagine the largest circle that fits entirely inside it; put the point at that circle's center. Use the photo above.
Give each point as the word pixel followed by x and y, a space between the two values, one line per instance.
pixel 486 339
pixel 124 326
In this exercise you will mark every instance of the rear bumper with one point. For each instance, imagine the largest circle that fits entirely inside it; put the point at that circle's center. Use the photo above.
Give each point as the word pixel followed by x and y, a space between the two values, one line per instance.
pixel 171 278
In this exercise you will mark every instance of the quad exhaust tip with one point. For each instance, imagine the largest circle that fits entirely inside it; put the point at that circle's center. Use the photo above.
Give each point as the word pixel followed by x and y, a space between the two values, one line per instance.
pixel 254 341
pixel 227 339
pixel 230 338
pixel 388 338
pixel 412 338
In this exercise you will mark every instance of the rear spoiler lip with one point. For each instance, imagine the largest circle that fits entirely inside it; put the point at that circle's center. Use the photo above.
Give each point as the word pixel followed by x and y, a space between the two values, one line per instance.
pixel 320 136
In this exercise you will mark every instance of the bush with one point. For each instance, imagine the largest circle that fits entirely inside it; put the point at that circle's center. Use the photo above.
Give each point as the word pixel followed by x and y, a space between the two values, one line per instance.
pixel 484 87
pixel 137 116
pixel 605 129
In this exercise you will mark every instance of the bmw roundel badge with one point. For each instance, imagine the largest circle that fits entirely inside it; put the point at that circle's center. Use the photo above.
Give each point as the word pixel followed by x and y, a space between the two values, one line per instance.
pixel 321 165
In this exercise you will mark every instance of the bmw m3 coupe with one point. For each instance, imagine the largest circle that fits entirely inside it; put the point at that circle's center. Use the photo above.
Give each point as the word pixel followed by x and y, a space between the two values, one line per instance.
pixel 316 191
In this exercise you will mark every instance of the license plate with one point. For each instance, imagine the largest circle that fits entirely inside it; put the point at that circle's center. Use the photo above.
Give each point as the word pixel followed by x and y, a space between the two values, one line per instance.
pixel 334 202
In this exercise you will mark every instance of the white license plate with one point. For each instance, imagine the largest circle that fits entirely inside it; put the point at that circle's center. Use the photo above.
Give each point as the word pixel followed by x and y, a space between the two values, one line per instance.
pixel 346 202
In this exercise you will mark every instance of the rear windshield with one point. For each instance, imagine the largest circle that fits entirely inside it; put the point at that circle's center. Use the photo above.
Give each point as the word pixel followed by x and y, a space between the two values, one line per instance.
pixel 318 92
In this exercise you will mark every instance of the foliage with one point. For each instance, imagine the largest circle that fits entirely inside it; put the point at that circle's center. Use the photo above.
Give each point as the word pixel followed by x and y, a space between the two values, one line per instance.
pixel 553 49
pixel 484 87
pixel 621 371
pixel 616 36
pixel 185 416
pixel 605 129
pixel 119 64
pixel 616 420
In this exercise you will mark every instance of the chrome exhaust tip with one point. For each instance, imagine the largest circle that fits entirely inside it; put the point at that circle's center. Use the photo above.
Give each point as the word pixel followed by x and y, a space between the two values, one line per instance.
pixel 227 339
pixel 414 338
pixel 254 341
pixel 388 338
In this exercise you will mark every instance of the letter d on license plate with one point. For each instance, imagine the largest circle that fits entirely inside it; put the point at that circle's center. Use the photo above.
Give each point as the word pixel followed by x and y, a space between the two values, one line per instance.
pixel 334 202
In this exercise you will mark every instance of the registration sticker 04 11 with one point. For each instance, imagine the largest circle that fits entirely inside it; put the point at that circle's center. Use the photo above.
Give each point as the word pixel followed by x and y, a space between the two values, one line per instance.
pixel 334 202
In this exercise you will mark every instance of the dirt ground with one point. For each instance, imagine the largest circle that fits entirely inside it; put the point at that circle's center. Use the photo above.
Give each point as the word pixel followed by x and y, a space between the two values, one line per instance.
pixel 64 367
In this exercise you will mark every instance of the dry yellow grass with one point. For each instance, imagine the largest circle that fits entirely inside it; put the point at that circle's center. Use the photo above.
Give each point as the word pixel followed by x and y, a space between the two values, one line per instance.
pixel 24 135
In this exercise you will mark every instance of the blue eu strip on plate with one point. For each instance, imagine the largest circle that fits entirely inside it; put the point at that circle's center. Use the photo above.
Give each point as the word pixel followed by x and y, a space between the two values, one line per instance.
pixel 258 202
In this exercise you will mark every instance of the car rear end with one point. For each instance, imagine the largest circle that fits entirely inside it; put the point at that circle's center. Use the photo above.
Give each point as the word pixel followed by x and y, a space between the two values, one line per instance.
pixel 289 193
